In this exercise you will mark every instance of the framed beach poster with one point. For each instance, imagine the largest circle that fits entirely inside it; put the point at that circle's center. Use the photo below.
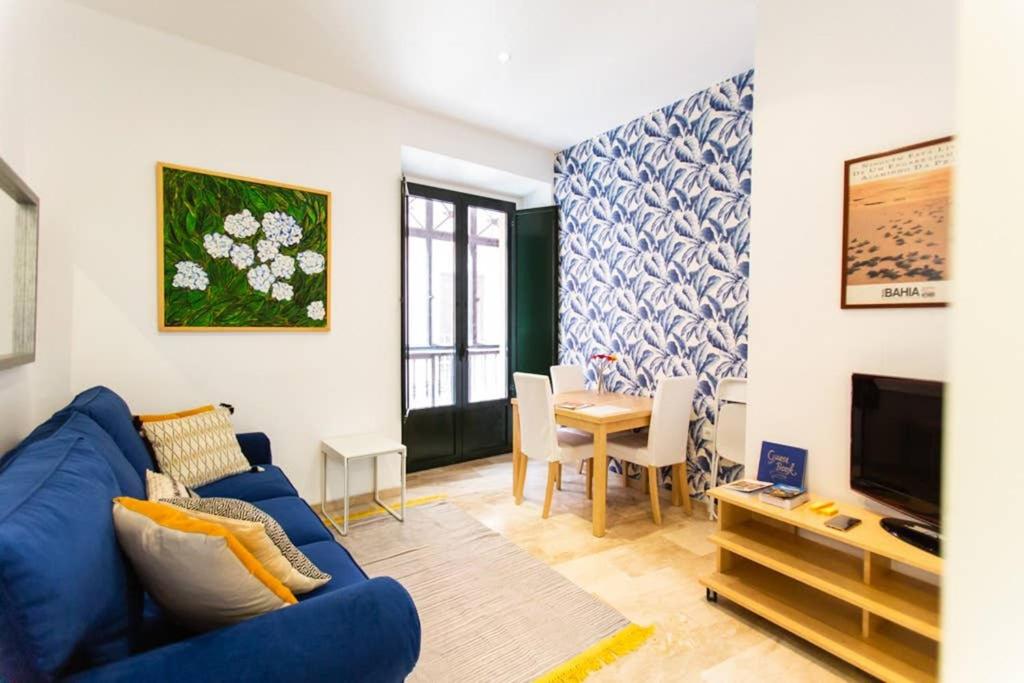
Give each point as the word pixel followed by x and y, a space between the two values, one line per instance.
pixel 241 254
pixel 896 215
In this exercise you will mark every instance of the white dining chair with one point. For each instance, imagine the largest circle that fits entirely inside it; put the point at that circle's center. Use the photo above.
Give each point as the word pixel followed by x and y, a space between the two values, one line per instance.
pixel 565 378
pixel 541 439
pixel 730 427
pixel 664 444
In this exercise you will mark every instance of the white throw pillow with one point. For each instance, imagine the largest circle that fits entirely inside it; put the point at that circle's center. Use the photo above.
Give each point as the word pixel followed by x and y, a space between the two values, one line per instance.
pixel 196 570
pixel 197 449
pixel 160 486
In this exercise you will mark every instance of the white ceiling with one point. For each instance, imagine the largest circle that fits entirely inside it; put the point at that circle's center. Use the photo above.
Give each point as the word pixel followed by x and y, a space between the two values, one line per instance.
pixel 577 68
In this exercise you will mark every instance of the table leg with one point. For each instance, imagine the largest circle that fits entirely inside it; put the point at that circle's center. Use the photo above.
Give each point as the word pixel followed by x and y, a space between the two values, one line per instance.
pixel 600 465
pixel 323 483
pixel 344 521
pixel 400 516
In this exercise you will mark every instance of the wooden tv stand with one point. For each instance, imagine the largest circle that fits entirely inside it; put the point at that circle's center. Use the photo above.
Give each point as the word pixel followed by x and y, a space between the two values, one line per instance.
pixel 848 602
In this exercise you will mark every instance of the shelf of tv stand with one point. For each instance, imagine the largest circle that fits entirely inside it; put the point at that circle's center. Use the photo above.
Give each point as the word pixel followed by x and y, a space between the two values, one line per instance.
pixel 844 596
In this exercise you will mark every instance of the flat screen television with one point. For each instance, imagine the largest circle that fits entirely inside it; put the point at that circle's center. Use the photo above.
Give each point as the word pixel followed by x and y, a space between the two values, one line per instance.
pixel 896 451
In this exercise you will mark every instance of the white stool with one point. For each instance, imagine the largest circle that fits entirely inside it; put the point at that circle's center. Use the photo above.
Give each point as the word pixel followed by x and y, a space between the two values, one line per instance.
pixel 352 447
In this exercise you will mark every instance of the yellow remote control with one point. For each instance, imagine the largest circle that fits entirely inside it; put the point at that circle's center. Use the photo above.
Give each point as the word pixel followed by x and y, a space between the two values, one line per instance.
pixel 824 507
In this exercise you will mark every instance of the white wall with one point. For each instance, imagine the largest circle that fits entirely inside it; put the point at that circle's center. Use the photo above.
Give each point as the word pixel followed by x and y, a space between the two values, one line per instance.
pixel 835 80
pixel 107 100
pixel 983 596
pixel 29 393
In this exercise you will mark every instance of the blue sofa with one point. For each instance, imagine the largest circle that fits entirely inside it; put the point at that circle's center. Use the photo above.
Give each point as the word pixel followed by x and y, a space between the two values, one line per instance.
pixel 72 608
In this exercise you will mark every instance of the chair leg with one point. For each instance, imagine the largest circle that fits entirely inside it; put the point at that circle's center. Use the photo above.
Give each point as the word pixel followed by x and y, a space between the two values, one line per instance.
pixel 521 482
pixel 652 485
pixel 644 477
pixel 553 469
pixel 677 495
pixel 558 481
pixel 590 479
pixel 582 465
pixel 625 473
pixel 515 474
pixel 680 484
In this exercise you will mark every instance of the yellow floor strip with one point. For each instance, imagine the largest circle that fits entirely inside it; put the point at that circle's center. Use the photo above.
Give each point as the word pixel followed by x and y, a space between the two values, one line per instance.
pixel 372 512
pixel 598 655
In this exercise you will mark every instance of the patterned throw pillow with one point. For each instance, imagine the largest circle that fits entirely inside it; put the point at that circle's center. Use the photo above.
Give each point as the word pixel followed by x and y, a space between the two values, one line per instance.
pixel 196 570
pixel 197 449
pixel 160 486
pixel 280 556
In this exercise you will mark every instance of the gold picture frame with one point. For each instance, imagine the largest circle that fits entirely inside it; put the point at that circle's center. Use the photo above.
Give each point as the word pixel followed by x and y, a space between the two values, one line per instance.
pixel 241 254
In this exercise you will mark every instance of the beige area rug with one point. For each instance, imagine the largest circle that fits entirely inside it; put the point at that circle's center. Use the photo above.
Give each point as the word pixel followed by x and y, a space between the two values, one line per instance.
pixel 490 611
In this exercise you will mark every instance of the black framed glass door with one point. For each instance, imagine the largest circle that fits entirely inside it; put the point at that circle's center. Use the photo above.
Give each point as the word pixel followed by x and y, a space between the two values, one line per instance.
pixel 455 355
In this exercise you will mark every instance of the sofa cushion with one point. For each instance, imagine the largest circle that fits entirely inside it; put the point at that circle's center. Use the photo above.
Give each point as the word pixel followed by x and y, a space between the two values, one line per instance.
pixel 80 424
pixel 158 628
pixel 336 561
pixel 251 486
pixel 68 600
pixel 111 412
pixel 297 518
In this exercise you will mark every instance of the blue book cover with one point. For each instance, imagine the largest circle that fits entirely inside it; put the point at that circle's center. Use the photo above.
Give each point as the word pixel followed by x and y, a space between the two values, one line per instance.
pixel 782 464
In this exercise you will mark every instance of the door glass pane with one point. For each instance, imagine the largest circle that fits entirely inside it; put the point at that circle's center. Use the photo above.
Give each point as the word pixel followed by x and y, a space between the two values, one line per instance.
pixel 430 304
pixel 488 301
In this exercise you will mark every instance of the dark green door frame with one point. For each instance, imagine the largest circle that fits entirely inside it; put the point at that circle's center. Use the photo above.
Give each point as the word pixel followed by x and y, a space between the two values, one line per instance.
pixel 534 311
pixel 444 435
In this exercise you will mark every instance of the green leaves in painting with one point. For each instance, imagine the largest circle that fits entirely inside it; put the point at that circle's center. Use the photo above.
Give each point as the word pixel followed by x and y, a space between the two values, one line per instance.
pixel 219 257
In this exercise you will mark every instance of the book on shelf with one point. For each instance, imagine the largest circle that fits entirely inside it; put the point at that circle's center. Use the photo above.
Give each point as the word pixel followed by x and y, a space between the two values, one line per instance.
pixel 748 485
pixel 781 464
pixel 785 497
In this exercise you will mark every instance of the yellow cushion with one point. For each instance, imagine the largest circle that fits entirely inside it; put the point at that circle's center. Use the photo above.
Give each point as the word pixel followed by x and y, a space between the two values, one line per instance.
pixel 200 572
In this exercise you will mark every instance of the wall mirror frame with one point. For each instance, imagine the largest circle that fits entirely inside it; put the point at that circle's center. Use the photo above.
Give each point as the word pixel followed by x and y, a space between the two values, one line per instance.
pixel 19 244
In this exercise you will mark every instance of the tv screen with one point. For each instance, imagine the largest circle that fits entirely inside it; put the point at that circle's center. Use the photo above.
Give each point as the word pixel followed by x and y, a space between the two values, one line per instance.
pixel 896 443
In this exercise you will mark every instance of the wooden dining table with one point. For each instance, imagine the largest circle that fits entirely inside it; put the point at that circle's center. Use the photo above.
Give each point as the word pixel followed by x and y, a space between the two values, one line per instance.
pixel 635 413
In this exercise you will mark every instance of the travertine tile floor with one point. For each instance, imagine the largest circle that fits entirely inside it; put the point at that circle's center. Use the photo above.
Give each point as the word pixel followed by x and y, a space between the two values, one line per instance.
pixel 648 573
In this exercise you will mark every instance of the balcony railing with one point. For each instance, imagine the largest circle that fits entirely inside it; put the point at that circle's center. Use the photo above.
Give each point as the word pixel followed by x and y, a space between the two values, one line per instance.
pixel 430 375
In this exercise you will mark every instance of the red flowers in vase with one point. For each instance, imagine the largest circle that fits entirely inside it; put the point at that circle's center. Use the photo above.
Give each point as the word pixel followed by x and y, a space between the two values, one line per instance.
pixel 604 360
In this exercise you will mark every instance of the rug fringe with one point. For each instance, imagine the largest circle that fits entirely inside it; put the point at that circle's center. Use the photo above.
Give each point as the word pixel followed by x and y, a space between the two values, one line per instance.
pixel 598 655
pixel 378 511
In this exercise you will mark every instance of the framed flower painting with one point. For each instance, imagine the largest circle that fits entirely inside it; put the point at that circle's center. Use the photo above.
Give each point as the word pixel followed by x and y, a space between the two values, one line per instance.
pixel 241 254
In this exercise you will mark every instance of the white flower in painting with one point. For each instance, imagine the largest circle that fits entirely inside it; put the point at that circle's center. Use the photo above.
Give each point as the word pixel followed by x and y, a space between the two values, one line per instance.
pixel 311 262
pixel 260 278
pixel 190 276
pixel 316 310
pixel 282 291
pixel 241 224
pixel 267 250
pixel 218 245
pixel 242 256
pixel 282 228
pixel 283 267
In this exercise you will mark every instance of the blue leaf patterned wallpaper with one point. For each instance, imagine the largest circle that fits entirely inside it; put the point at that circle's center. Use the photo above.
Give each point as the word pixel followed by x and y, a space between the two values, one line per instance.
pixel 654 243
